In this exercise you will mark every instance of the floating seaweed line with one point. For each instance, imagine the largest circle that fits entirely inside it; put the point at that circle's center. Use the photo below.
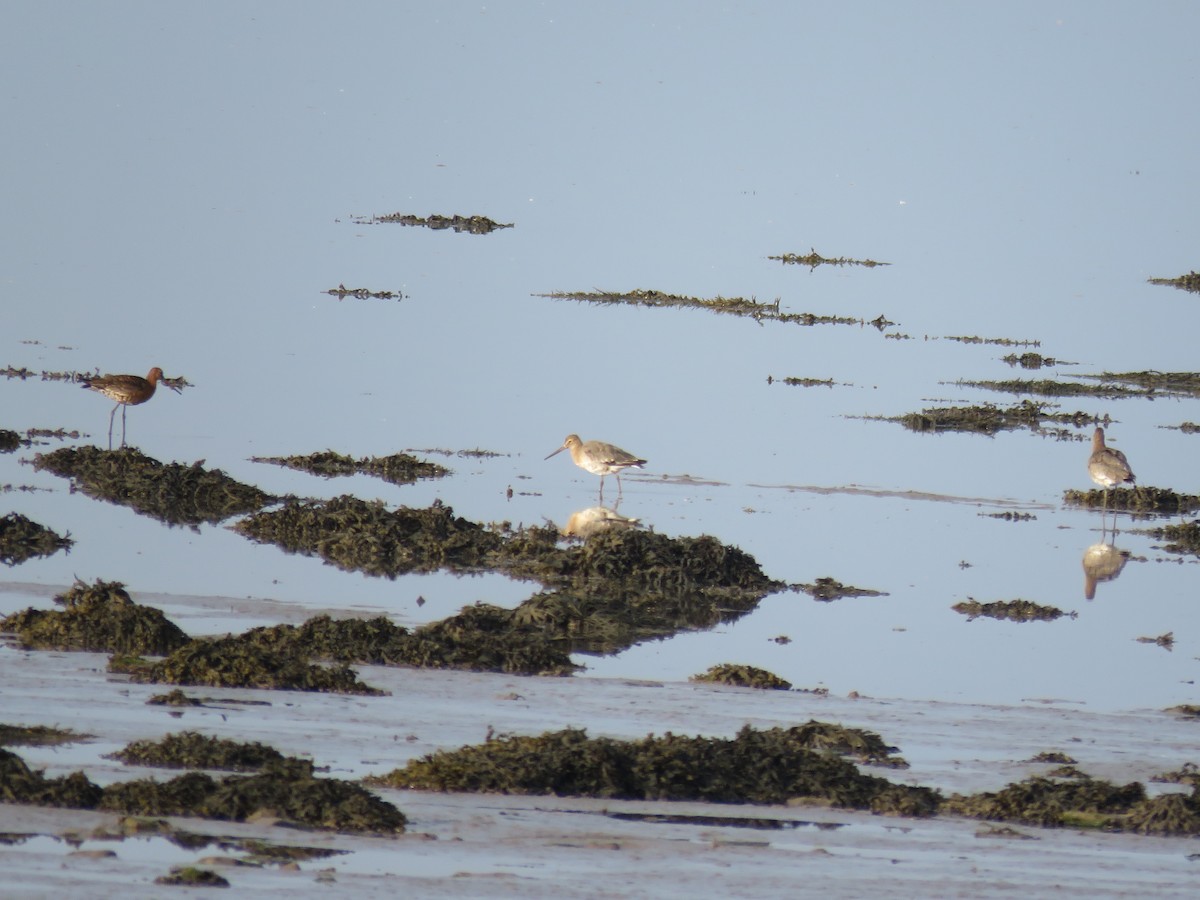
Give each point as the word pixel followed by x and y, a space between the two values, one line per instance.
pixel 803 382
pixel 986 419
pixel 1171 384
pixel 399 468
pixel 342 292
pixel 1001 342
pixel 1053 388
pixel 1012 610
pixel 470 224
pixel 1188 282
pixel 829 589
pixel 734 306
pixel 812 259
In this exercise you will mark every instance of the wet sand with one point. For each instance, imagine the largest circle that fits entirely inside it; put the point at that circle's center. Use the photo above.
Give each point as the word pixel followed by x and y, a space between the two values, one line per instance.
pixel 475 845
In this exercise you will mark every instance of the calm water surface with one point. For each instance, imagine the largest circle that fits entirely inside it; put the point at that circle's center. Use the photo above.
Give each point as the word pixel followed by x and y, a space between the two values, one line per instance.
pixel 186 183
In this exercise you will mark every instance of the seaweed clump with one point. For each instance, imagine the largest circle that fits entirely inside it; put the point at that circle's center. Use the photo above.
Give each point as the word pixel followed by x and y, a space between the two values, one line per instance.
pixel 357 535
pixel 770 766
pixel 236 662
pixel 812 259
pixel 479 638
pixel 469 224
pixel 986 418
pixel 733 306
pixel 742 676
pixel 191 750
pixel 1188 282
pixel 20 784
pixel 284 790
pixel 622 586
pixel 829 589
pixel 1180 539
pixel 98 618
pixel 9 440
pixel 1013 610
pixel 22 538
pixel 1046 387
pixel 399 468
pixel 37 736
pixel 1086 802
pixel 171 492
pixel 191 876
pixel 1136 500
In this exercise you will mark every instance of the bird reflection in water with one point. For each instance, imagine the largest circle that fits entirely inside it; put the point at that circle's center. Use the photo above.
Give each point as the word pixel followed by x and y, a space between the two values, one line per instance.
pixel 595 519
pixel 1101 562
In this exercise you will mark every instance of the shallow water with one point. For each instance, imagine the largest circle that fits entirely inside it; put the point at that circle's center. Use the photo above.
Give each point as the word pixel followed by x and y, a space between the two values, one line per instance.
pixel 1022 186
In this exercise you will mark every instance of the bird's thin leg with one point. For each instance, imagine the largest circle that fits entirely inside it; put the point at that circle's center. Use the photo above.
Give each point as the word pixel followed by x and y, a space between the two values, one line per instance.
pixel 111 417
pixel 124 408
pixel 601 488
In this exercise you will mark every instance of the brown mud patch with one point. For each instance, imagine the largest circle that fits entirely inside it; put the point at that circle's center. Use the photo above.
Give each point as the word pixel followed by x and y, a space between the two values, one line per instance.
pixel 469 224
pixel 283 791
pixel 812 259
pixel 1188 282
pixel 1146 500
pixel 172 493
pixel 986 419
pixel 9 440
pixel 789 765
pixel 737 675
pixel 22 539
pixel 342 292
pixel 1011 610
pixel 96 618
pixel 398 468
pixel 733 306
pixel 829 589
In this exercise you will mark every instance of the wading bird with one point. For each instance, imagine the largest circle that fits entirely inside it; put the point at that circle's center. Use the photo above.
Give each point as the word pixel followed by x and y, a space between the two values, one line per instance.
pixel 127 390
pixel 599 458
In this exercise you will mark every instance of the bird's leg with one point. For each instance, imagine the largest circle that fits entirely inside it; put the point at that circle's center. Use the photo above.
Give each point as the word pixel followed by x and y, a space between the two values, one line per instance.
pixel 124 408
pixel 111 417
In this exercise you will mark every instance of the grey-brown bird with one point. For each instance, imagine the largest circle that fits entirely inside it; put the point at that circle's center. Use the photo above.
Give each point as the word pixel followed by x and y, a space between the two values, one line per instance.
pixel 599 458
pixel 1107 466
pixel 126 390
